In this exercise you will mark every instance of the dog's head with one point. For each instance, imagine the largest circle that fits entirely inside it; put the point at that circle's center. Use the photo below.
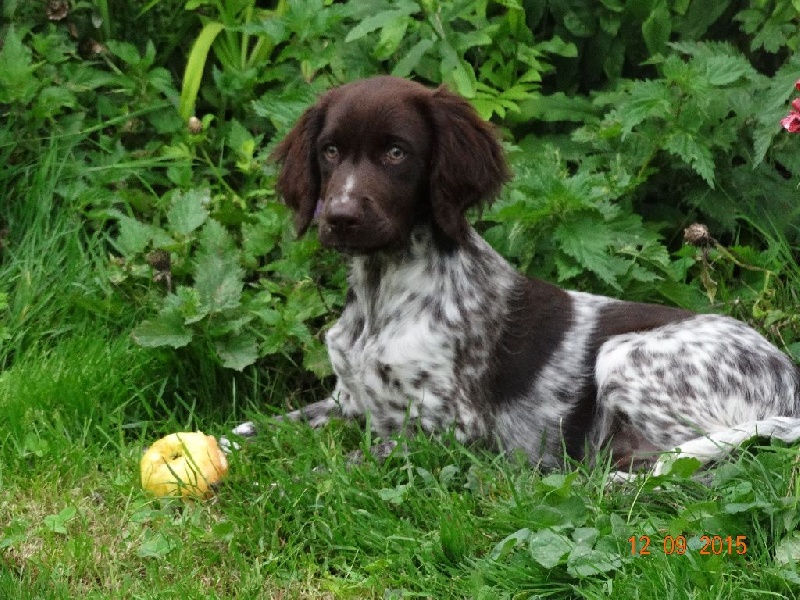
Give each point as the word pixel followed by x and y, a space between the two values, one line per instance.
pixel 374 157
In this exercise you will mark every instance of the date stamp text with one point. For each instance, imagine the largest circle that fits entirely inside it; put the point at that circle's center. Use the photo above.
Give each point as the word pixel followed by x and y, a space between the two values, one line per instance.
pixel 709 545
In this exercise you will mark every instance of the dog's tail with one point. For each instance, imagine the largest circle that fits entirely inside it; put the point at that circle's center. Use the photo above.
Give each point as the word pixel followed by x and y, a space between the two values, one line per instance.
pixel 714 446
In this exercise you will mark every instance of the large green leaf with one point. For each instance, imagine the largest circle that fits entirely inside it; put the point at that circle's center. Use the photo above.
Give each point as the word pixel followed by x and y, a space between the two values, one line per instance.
pixel 385 18
pixel 188 211
pixel 17 82
pixel 166 329
pixel 697 155
pixel 657 29
pixel 588 241
pixel 406 65
pixel 134 236
pixel 218 274
pixel 585 560
pixel 549 548
pixel 238 351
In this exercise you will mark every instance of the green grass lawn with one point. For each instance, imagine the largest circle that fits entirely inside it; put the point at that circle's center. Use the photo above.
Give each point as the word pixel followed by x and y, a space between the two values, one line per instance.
pixel 292 520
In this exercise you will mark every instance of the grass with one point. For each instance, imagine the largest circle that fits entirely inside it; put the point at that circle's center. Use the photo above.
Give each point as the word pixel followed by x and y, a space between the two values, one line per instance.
pixel 294 521
pixel 79 402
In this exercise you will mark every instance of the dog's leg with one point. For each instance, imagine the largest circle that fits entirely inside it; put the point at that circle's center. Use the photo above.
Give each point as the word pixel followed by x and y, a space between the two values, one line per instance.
pixel 715 446
pixel 319 413
pixel 315 414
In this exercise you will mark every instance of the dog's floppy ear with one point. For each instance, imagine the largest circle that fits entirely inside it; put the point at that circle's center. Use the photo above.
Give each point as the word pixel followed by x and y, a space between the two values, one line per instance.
pixel 469 166
pixel 299 178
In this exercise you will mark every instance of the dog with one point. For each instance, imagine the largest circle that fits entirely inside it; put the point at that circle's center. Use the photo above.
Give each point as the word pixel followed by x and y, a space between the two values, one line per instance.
pixel 440 332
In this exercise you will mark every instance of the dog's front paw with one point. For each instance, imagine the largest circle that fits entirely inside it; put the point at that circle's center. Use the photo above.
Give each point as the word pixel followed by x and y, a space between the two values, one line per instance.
pixel 245 430
pixel 380 452
pixel 228 446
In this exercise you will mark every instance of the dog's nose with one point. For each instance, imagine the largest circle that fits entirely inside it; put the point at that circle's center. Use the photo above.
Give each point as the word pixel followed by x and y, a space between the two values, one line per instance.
pixel 342 215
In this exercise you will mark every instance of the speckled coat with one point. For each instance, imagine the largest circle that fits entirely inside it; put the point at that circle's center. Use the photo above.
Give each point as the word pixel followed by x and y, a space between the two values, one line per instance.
pixel 440 332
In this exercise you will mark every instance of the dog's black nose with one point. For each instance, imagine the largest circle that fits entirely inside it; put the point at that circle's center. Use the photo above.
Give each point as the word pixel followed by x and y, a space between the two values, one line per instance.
pixel 342 216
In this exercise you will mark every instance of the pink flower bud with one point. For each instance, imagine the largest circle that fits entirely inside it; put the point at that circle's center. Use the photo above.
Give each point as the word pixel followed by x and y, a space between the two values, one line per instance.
pixel 791 123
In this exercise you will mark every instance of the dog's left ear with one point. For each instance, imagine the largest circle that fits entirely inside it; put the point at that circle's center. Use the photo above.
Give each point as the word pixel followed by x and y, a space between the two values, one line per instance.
pixel 299 178
pixel 469 166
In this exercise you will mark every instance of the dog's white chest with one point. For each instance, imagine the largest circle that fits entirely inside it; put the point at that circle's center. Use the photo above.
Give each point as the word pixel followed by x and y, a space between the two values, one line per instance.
pixel 400 371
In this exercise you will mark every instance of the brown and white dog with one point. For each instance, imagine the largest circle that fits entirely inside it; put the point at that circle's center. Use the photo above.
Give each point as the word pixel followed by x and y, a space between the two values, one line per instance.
pixel 440 332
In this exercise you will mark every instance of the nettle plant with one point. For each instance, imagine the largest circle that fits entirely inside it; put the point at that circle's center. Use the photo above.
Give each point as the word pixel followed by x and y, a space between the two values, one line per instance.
pixel 483 50
pixel 245 292
pixel 693 144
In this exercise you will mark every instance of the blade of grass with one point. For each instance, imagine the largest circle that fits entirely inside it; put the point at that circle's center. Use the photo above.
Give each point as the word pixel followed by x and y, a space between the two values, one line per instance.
pixel 195 65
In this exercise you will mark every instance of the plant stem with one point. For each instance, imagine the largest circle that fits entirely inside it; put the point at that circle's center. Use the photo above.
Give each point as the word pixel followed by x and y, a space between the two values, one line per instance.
pixel 102 6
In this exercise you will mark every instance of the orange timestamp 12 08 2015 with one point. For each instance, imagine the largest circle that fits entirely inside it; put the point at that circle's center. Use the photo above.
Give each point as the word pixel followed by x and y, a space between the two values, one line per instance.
pixel 709 545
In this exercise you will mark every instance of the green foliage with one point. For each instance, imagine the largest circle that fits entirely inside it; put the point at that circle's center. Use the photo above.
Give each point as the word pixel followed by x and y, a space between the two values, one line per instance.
pixel 625 121
pixel 5 332
pixel 202 267
pixel 17 81
pixel 572 226
pixel 240 54
pixel 772 26
pixel 487 55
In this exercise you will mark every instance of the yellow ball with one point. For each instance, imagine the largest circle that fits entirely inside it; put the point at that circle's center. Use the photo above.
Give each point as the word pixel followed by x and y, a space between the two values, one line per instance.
pixel 183 464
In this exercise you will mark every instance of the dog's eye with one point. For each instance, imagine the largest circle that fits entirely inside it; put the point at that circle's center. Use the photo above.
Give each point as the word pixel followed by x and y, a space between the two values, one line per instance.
pixel 395 154
pixel 331 153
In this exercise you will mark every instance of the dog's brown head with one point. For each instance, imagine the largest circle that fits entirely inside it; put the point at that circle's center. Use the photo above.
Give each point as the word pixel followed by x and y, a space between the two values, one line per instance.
pixel 374 157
